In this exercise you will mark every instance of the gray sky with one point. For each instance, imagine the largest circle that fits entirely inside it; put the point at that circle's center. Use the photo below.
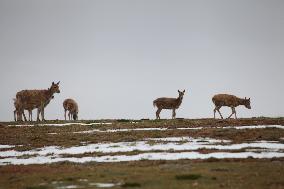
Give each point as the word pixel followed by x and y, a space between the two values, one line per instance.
pixel 114 57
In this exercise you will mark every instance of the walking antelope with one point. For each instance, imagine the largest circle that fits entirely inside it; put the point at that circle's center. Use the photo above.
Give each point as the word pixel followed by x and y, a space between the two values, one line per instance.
pixel 231 101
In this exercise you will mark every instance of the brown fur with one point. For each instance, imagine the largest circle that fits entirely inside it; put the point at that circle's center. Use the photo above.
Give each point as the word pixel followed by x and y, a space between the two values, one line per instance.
pixel 19 109
pixel 37 98
pixel 168 103
pixel 231 101
pixel 70 105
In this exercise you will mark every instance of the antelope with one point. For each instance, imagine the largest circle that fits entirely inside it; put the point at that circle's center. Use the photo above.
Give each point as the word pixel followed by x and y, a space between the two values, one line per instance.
pixel 19 109
pixel 168 103
pixel 231 101
pixel 18 112
pixel 37 98
pixel 70 105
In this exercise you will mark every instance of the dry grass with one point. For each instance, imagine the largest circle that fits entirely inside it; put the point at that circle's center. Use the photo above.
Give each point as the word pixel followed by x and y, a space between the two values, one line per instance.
pixel 249 173
pixel 210 173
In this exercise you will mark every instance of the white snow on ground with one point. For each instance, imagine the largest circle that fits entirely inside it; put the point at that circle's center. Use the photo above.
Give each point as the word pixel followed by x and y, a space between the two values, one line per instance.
pixel 180 128
pixel 68 187
pixel 6 146
pixel 189 144
pixel 120 130
pixel 145 129
pixel 61 124
pixel 177 145
pixel 22 125
pixel 255 127
pixel 104 185
pixel 257 149
pixel 141 146
pixel 184 139
pixel 142 156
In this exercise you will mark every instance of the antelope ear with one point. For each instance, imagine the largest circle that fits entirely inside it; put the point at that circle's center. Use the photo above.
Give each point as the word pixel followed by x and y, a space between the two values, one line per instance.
pixel 183 91
pixel 249 99
pixel 178 91
pixel 52 83
pixel 58 82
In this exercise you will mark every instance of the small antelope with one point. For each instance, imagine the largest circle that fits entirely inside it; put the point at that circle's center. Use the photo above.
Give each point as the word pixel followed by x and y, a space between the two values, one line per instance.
pixel 168 103
pixel 231 101
pixel 37 98
pixel 71 105
pixel 19 111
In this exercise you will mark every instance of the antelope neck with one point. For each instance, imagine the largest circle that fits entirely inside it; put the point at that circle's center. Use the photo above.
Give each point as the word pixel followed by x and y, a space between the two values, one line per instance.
pixel 49 93
pixel 241 101
pixel 179 99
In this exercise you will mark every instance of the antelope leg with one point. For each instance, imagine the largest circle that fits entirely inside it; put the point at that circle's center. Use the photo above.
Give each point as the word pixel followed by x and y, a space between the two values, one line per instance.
pixel 218 109
pixel 38 112
pixel 23 112
pixel 174 114
pixel 158 113
pixel 232 112
pixel 65 114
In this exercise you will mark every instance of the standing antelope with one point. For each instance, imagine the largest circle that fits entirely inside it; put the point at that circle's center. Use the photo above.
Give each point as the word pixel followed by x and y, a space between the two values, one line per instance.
pixel 37 98
pixel 19 109
pixel 70 105
pixel 231 101
pixel 168 103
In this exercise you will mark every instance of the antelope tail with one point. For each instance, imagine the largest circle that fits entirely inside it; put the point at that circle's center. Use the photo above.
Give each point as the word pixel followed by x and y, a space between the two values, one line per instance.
pixel 213 100
pixel 154 103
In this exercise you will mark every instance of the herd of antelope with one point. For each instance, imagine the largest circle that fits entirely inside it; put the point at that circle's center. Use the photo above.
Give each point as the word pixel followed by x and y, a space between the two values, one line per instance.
pixel 39 99
pixel 31 99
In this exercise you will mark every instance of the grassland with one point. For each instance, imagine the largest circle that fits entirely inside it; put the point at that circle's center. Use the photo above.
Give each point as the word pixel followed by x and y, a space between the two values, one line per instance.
pixel 209 173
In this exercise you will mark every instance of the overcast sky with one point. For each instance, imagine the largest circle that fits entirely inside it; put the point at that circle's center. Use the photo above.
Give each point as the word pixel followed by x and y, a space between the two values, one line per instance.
pixel 114 57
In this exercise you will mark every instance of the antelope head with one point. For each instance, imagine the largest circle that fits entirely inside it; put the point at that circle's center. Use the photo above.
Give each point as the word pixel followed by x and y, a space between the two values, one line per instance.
pixel 180 94
pixel 75 116
pixel 55 87
pixel 247 103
